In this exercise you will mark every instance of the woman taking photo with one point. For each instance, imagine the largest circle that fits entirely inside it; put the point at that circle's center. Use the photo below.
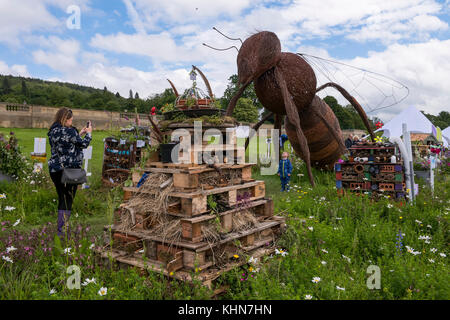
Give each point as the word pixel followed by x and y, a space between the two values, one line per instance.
pixel 67 152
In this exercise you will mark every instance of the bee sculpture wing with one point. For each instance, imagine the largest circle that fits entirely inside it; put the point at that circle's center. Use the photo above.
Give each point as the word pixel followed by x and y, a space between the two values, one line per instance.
pixel 373 90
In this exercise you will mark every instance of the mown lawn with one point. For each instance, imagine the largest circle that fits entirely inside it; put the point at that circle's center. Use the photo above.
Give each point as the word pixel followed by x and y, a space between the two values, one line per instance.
pixel 330 240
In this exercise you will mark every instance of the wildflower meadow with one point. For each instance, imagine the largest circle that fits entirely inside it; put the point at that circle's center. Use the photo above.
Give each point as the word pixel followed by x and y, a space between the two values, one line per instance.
pixel 334 246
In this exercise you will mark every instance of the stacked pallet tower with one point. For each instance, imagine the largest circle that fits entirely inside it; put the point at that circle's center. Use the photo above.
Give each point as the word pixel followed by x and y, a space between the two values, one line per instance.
pixel 373 169
pixel 202 196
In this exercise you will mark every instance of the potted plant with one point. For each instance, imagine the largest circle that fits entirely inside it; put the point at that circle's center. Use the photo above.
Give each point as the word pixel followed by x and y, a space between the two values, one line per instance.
pixel 190 102
pixel 166 150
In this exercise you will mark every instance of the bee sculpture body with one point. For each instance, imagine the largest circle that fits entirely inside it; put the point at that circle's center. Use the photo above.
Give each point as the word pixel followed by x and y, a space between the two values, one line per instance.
pixel 286 85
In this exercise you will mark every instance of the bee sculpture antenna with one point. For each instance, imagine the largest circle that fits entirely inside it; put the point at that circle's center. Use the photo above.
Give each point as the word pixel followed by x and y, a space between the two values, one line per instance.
pixel 227 36
pixel 221 49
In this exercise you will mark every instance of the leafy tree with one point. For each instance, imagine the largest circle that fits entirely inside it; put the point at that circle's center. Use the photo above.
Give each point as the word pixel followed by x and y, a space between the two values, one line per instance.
pixel 442 120
pixel 118 95
pixel 347 116
pixel 24 88
pixel 231 90
pixel 245 111
pixel 6 87
pixel 131 95
pixel 136 95
pixel 160 99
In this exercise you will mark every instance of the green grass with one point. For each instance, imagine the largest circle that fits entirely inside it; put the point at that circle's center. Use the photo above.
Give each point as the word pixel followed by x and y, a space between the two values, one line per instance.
pixel 334 238
pixel 26 142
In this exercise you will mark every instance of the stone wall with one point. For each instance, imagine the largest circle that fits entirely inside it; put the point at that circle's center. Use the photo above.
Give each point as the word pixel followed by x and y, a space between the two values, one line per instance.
pixel 31 116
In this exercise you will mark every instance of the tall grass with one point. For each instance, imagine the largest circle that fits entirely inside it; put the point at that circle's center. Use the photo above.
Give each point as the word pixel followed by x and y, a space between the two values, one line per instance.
pixel 333 238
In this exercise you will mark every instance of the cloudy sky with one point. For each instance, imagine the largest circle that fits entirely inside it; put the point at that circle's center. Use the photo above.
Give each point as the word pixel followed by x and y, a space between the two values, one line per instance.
pixel 137 44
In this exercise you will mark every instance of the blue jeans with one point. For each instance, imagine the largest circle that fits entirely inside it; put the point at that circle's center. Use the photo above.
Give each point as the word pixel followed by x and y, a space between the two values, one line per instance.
pixel 285 183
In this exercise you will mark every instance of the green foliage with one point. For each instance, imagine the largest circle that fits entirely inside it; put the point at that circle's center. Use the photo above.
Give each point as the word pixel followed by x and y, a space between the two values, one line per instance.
pixel 161 99
pixel 442 120
pixel 245 111
pixel 12 162
pixel 347 116
pixel 48 93
pixel 231 90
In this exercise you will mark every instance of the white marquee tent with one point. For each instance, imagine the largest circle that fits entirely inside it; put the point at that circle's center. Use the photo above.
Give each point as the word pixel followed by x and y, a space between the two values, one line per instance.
pixel 446 136
pixel 415 122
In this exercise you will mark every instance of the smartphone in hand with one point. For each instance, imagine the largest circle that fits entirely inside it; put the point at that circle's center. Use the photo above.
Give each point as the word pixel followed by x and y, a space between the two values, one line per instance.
pixel 88 124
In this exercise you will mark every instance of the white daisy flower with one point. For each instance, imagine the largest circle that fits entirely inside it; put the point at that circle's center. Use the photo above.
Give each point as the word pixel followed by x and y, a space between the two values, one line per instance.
pixel 431 260
pixel 68 251
pixel 323 263
pixel 443 255
pixel 281 251
pixel 433 250
pixel 92 246
pixel 316 279
pixel 253 260
pixel 16 223
pixel 9 249
pixel 9 208
pixel 339 288
pixel 103 291
pixel 87 281
pixel 53 291
pixel 2 196
pixel 308 297
pixel 7 259
pixel 346 258
pixel 323 250
pixel 310 228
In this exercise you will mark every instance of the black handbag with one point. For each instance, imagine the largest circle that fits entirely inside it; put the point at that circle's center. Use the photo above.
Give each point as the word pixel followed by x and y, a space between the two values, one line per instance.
pixel 73 176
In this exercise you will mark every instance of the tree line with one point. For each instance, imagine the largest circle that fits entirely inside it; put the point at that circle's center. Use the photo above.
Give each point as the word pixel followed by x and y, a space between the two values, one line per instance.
pixel 248 109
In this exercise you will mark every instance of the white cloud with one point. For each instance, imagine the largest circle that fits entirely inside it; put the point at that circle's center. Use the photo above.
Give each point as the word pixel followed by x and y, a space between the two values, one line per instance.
pixel 31 16
pixel 422 67
pixel 15 69
pixel 61 54
pixel 170 35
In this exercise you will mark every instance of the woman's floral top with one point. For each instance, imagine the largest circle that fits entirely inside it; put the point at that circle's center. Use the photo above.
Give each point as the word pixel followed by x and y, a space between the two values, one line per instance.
pixel 67 147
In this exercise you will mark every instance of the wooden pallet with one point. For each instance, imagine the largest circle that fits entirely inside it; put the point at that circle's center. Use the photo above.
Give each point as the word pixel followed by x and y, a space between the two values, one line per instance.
pixel 189 204
pixel 193 178
pixel 192 227
pixel 227 153
pixel 206 277
pixel 189 256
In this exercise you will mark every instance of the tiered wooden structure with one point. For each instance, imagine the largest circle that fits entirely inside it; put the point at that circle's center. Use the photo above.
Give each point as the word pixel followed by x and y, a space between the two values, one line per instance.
pixel 194 186
pixel 369 170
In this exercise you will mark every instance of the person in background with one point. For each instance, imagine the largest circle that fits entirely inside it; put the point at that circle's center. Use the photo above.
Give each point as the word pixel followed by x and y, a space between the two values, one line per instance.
pixel 67 152
pixel 355 139
pixel 283 139
pixel 284 171
pixel 349 141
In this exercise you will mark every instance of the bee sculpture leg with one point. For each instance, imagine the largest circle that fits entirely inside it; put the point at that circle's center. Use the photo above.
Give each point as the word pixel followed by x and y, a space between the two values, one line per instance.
pixel 293 116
